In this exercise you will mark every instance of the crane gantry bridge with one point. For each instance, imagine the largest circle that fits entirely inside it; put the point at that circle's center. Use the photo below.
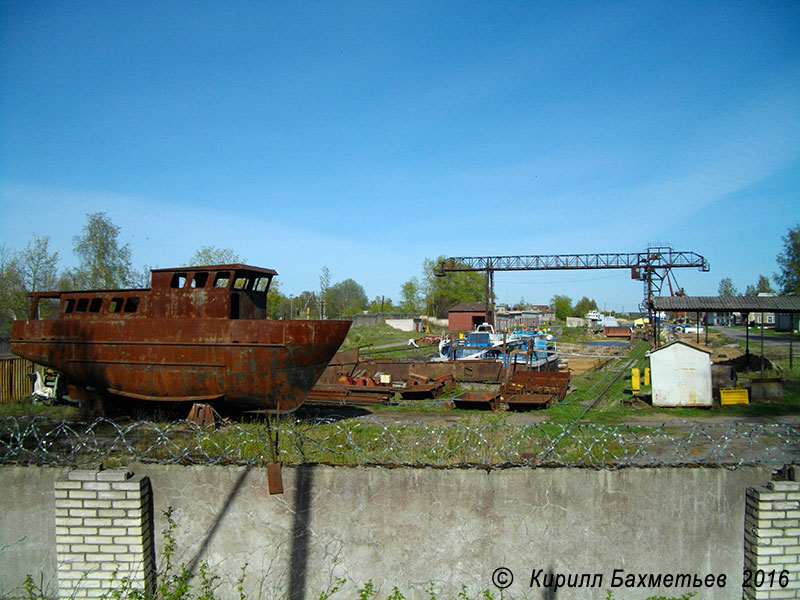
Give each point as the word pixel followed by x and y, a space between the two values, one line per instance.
pixel 653 267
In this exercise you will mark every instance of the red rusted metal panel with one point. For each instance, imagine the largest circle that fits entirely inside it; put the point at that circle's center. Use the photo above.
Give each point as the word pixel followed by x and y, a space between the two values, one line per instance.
pixel 530 390
pixel 199 333
pixel 617 332
pixel 477 400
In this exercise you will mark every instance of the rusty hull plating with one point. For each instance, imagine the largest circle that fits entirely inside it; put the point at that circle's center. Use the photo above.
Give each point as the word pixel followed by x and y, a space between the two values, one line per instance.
pixel 199 333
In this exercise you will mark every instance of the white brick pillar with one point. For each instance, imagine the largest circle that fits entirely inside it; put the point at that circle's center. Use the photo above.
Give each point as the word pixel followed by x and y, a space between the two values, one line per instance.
pixel 103 533
pixel 772 540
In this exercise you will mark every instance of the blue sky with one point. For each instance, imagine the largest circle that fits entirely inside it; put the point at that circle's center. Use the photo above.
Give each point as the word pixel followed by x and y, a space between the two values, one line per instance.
pixel 366 137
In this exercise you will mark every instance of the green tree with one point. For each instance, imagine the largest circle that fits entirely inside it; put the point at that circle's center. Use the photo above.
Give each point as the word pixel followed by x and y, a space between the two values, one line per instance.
pixel 141 278
pixel 442 293
pixel 278 305
pixel 345 298
pixel 324 284
pixel 561 306
pixel 761 286
pixel 583 306
pixel 521 305
pixel 306 305
pixel 381 304
pixel 38 266
pixel 410 292
pixel 788 278
pixel 103 262
pixel 726 288
pixel 13 302
pixel 211 255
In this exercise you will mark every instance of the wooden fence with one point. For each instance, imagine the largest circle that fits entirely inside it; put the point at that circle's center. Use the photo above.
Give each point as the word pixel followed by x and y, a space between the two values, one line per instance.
pixel 14 380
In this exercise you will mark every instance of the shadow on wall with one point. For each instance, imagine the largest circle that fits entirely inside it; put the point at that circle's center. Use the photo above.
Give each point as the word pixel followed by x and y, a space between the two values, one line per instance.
pixel 550 593
pixel 194 563
pixel 300 532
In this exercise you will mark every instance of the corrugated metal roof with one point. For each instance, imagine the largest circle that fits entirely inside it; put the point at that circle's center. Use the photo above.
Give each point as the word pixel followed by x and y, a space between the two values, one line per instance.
pixel 727 303
pixel 469 307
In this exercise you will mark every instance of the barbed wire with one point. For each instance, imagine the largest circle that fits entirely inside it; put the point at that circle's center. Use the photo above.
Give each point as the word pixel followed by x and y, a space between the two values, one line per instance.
pixel 369 441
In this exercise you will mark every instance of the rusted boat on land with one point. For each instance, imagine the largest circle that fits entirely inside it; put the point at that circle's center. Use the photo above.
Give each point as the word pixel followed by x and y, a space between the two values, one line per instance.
pixel 198 334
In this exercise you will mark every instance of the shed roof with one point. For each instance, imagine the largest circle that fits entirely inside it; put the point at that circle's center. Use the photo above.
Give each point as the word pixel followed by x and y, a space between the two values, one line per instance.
pixel 469 307
pixel 682 343
pixel 727 303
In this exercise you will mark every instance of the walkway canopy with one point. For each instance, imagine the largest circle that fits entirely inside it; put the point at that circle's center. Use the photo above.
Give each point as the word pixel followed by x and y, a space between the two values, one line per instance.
pixel 740 304
pixel 737 304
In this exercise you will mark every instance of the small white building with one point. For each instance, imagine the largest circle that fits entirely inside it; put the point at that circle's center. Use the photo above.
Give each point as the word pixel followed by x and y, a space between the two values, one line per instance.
pixel 681 375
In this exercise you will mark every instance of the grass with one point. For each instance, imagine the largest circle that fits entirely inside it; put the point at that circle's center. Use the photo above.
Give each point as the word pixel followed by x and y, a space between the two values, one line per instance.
pixel 58 412
pixel 376 335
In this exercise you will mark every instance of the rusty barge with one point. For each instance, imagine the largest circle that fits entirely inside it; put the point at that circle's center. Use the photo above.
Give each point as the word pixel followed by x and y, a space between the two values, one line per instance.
pixel 197 334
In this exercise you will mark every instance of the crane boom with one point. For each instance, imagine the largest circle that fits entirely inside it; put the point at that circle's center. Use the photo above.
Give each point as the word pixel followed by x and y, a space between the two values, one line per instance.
pixel 653 266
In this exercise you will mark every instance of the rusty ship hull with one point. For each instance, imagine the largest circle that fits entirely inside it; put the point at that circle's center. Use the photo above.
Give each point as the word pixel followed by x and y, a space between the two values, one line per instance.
pixel 183 344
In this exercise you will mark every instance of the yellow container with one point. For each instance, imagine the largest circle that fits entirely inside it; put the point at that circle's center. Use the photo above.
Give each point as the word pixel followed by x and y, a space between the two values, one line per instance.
pixel 636 386
pixel 736 396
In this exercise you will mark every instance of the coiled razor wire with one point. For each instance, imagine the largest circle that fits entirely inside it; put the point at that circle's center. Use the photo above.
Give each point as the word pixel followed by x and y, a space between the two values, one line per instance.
pixel 369 442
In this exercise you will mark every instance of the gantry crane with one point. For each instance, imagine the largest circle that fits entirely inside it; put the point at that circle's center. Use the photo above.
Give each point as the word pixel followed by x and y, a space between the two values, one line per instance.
pixel 652 267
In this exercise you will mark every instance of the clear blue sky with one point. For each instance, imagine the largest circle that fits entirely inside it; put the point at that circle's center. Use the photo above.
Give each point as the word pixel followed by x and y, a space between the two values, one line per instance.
pixel 366 137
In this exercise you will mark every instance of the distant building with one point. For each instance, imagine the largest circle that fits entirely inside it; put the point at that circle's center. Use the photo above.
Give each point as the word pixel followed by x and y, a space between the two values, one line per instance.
pixel 466 316
pixel 535 317
pixel 787 321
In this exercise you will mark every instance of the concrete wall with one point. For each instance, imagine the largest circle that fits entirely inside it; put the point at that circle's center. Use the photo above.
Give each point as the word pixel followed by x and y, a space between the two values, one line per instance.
pixel 413 527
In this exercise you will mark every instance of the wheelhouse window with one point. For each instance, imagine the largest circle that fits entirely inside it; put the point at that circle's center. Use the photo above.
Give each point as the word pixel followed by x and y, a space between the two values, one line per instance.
pixel 69 305
pixel 222 279
pixel 261 284
pixel 83 304
pixel 95 304
pixel 241 283
pixel 115 305
pixel 178 280
pixel 131 304
pixel 199 280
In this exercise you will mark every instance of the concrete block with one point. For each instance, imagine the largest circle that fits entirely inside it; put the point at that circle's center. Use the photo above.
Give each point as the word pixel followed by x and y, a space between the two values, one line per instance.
pixel 121 474
pixel 115 548
pixel 128 557
pixel 66 503
pixel 778 594
pixel 772 514
pixel 70 539
pixel 68 521
pixel 787 486
pixel 81 494
pixel 67 484
pixel 97 486
pixel 134 484
pixel 111 495
pixel 99 539
pixel 135 505
pixel 82 475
